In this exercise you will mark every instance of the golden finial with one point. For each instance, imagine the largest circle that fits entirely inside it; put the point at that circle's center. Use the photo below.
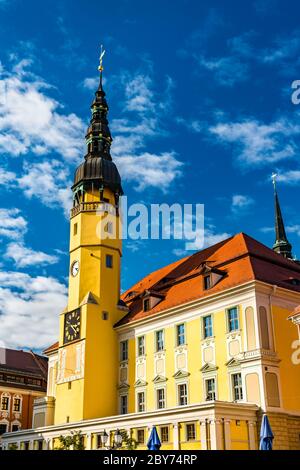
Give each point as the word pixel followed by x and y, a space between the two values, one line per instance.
pixel 102 52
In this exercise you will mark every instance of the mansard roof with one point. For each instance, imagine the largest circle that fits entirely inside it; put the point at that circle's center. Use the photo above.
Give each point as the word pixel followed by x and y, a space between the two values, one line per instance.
pixel 240 258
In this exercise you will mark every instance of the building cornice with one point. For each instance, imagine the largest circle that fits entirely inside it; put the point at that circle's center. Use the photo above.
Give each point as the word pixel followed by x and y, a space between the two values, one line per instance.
pixel 257 286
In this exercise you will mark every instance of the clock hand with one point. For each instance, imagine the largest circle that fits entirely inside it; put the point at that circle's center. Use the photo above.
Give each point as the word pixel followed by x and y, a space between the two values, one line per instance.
pixel 74 329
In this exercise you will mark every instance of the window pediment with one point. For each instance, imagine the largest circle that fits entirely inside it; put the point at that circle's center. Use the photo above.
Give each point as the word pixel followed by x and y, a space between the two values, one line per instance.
pixel 181 374
pixel 159 379
pixel 208 367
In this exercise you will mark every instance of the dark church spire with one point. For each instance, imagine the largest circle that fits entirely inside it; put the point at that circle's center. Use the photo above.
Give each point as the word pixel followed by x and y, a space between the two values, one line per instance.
pixel 98 136
pixel 98 170
pixel 281 245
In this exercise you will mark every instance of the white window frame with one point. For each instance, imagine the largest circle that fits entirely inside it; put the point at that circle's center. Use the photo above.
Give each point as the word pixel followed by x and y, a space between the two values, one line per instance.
pixel 238 319
pixel 125 341
pixel 206 379
pixel 5 395
pixel 157 390
pixel 156 341
pixel 123 395
pixel 139 392
pixel 138 346
pixel 233 387
pixel 17 397
pixel 178 345
pixel 203 327
pixel 160 432
pixel 186 432
pixel 178 394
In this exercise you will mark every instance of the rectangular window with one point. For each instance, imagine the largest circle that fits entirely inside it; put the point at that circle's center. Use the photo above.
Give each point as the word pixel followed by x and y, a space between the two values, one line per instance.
pixel 105 315
pixel 141 436
pixel 207 327
pixel 237 387
pixel 190 432
pixel 210 389
pixel 17 405
pixel 146 305
pixel 124 351
pixel 164 434
pixel 180 334
pixel 124 404
pixel 233 319
pixel 109 261
pixel 141 346
pixel 160 394
pixel 207 282
pixel 4 403
pixel 182 394
pixel 160 340
pixel 75 229
pixel 15 428
pixel 141 402
pixel 3 428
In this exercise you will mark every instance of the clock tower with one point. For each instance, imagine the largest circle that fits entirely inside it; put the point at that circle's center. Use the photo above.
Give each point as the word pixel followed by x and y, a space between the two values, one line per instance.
pixel 88 347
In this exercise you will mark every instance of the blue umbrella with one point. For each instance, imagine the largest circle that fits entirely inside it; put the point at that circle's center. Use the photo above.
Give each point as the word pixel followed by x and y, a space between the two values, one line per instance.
pixel 153 441
pixel 266 435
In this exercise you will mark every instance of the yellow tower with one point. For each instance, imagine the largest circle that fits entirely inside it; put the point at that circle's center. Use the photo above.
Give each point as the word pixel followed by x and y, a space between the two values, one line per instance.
pixel 88 347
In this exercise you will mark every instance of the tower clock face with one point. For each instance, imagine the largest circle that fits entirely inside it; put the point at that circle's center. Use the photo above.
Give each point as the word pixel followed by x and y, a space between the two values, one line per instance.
pixel 75 268
pixel 72 326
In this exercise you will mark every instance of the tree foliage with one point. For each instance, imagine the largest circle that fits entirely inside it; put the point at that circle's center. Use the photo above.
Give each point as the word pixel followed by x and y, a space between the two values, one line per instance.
pixel 73 441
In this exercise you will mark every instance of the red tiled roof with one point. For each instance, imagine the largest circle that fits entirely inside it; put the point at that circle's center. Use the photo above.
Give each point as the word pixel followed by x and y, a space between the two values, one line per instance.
pixel 241 258
pixel 24 361
pixel 51 348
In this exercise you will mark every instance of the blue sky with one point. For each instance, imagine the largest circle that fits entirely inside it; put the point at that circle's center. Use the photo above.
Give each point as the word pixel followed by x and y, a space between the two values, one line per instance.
pixel 200 111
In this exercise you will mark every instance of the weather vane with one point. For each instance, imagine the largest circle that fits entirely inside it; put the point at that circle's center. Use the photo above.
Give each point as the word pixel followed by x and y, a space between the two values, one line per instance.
pixel 274 177
pixel 102 52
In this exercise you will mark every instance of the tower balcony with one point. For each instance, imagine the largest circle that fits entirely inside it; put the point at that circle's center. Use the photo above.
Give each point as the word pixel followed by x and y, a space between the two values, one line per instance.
pixel 93 207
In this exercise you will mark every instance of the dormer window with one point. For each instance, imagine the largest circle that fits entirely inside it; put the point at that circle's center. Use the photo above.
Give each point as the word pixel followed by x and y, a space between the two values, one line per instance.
pixel 146 305
pixel 131 294
pixel 207 282
pixel 211 276
pixel 150 299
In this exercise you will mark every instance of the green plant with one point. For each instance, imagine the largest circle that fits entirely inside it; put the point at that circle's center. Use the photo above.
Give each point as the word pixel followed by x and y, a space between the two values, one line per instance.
pixel 128 442
pixel 13 446
pixel 74 441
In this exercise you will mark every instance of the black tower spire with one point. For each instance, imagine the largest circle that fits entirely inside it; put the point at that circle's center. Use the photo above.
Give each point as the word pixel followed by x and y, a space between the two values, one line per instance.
pixel 98 168
pixel 281 245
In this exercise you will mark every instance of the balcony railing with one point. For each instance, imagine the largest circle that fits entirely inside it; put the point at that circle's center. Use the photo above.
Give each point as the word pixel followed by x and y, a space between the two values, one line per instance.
pixel 90 207
pixel 257 353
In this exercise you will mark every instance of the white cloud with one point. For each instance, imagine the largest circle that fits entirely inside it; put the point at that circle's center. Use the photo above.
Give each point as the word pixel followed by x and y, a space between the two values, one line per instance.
pixel 91 83
pixel 284 49
pixel 24 256
pixel 32 121
pixel 293 229
pixel 144 111
pixel 227 70
pixel 289 177
pixel 12 224
pixel 6 177
pixel 258 143
pixel 29 309
pixel 211 237
pixel 150 170
pixel 49 182
pixel 241 203
pixel 139 96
